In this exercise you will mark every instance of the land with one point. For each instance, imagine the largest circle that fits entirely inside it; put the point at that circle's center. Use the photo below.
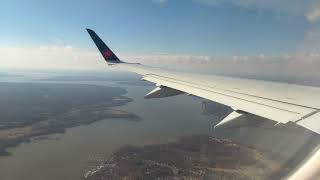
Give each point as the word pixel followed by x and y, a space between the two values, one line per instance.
pixel 192 157
pixel 32 109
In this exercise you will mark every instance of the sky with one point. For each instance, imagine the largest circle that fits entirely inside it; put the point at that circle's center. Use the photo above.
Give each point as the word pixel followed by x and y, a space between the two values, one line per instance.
pixel 210 27
pixel 51 34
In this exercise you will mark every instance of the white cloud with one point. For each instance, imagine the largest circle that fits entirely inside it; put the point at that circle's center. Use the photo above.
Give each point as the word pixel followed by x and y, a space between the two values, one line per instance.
pixel 313 15
pixel 294 68
pixel 49 57
pixel 300 68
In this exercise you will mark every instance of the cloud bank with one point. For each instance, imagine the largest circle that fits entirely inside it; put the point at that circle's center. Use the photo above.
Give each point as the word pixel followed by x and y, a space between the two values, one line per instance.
pixel 49 57
pixel 300 68
pixel 296 68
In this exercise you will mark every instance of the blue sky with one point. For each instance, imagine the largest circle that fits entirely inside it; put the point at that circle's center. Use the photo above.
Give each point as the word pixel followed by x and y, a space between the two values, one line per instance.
pixel 51 34
pixel 143 26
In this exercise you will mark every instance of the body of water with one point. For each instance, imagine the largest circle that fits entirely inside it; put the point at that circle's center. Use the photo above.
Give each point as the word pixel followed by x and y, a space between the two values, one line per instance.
pixel 68 156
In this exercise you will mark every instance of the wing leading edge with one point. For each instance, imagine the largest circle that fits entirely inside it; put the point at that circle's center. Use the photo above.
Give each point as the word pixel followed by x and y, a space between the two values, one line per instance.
pixel 279 102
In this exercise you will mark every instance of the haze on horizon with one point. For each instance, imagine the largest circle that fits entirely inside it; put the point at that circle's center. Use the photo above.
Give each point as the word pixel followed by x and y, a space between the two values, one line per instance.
pixel 272 38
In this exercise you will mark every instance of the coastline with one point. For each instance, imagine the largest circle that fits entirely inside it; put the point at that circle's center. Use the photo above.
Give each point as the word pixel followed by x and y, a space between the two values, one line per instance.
pixel 57 121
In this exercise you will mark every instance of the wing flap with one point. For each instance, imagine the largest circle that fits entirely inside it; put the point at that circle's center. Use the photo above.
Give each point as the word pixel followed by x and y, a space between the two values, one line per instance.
pixel 312 122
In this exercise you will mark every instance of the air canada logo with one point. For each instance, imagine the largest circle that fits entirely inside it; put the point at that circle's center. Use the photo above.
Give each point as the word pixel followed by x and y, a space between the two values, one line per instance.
pixel 107 53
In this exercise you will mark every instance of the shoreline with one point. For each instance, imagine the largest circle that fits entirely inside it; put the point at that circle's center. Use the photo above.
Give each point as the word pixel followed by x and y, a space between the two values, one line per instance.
pixel 54 108
pixel 16 136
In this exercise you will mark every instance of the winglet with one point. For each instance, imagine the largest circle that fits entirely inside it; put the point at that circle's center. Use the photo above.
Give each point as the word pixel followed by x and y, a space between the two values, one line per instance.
pixel 105 51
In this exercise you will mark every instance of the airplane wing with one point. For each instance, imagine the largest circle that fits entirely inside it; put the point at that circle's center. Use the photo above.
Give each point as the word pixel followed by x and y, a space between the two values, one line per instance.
pixel 279 102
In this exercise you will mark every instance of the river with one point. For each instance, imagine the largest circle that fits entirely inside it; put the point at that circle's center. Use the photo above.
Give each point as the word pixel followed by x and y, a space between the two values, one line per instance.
pixel 67 156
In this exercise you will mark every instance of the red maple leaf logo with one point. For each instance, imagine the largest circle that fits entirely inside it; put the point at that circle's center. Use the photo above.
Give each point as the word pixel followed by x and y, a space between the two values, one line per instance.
pixel 107 53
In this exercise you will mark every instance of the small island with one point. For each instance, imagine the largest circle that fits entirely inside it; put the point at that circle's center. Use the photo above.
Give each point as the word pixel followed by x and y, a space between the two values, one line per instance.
pixel 192 157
